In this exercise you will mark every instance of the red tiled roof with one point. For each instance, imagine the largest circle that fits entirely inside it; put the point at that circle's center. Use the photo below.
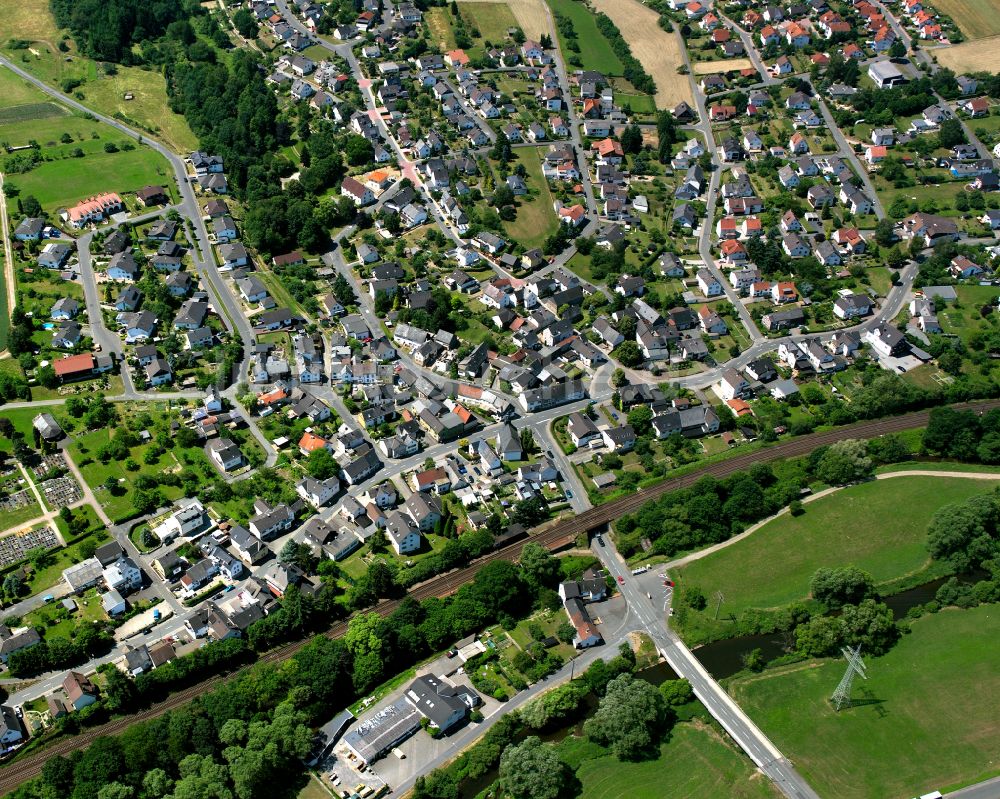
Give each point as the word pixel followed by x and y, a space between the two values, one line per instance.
pixel 74 365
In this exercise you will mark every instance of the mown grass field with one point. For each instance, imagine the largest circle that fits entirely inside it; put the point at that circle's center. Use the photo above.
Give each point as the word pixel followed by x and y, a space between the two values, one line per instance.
pixel 32 21
pixel 536 220
pixel 595 51
pixel 695 763
pixel 878 526
pixel 57 184
pixel 931 718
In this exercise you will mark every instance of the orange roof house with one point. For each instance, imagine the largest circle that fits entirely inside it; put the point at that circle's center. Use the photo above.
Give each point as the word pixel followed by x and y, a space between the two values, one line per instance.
pixel 740 407
pixel 273 397
pixel 571 214
pixel 606 147
pixel 310 442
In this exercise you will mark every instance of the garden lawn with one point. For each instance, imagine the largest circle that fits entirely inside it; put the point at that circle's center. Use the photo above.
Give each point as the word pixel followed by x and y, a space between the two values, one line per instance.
pixel 57 184
pixel 119 505
pixel 879 526
pixel 931 720
pixel 536 220
pixel 966 318
pixel 694 763
pixel 595 50
pixel 58 621
pixel 21 419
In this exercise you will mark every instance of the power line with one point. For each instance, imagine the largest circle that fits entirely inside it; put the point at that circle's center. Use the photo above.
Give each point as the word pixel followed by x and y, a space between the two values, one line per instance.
pixel 855 665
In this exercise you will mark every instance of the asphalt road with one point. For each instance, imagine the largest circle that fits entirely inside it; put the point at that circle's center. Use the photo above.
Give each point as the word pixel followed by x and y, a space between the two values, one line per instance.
pixel 750 738
pixel 988 789
pixel 204 260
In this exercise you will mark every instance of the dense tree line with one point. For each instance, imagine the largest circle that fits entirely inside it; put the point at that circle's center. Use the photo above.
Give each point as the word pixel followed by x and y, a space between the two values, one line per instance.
pixel 634 72
pixel 713 510
pixel 631 719
pixel 963 435
pixel 57 653
pixel 107 29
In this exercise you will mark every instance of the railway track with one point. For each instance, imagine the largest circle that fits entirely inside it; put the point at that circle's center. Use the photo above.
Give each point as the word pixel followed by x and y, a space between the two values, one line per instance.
pixel 555 537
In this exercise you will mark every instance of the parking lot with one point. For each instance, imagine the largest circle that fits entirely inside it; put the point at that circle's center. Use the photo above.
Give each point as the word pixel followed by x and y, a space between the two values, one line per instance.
pixel 341 774
pixel 14 547
pixel 420 748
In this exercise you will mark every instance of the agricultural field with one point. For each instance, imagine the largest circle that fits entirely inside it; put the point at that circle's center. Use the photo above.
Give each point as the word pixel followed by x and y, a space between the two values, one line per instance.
pixel 31 21
pixel 695 762
pixel 536 220
pixel 57 184
pixel 877 526
pixel 925 719
pixel 979 55
pixel 595 50
pixel 492 20
pixel 658 51
pixel 76 164
pixel 729 65
pixel 977 19
pixel 530 15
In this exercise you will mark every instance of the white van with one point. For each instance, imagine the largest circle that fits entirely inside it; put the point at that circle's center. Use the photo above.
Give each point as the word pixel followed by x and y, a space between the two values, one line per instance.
pixel 399 753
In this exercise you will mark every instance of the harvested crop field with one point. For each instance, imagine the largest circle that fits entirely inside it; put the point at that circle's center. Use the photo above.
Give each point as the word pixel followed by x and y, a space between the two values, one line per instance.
pixel 977 19
pixel 531 15
pixel 658 51
pixel 981 55
pixel 729 65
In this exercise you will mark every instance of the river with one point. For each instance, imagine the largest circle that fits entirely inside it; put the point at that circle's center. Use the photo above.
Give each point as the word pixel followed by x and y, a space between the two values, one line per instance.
pixel 722 659
pixel 725 658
